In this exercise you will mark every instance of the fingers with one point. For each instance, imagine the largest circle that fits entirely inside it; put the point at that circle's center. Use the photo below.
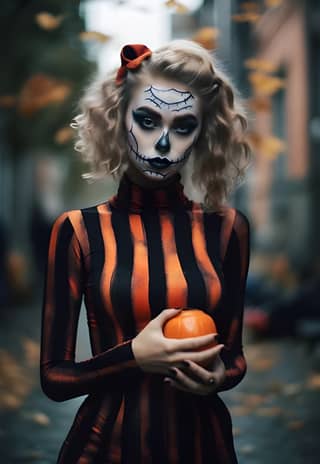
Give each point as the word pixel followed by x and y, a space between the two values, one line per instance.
pixel 190 344
pixel 203 356
pixel 183 382
pixel 200 374
pixel 167 314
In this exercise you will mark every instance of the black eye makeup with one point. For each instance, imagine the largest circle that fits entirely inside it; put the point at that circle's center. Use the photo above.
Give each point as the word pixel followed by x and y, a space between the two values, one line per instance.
pixel 185 125
pixel 148 119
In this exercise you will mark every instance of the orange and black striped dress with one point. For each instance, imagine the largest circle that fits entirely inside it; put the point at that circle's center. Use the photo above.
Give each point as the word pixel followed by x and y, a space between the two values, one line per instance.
pixel 131 257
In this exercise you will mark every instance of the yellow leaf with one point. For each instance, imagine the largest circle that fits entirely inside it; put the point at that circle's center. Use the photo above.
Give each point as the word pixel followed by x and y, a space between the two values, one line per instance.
pixel 178 6
pixel 264 84
pixel 94 35
pixel 254 400
pixel 240 411
pixel 273 3
pixel 40 91
pixel 31 351
pixel 262 364
pixel 260 65
pixel 246 17
pixel 249 6
pixel 48 21
pixel 16 381
pixel 40 418
pixel 206 36
pixel 269 411
pixel 313 382
pixel 63 135
pixel 271 147
pixel 260 104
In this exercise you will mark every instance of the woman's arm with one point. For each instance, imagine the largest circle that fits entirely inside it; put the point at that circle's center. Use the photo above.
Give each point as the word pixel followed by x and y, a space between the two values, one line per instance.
pixel 235 270
pixel 61 377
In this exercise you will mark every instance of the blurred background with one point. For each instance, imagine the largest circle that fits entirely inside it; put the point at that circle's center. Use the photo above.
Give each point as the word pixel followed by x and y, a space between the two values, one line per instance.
pixel 50 50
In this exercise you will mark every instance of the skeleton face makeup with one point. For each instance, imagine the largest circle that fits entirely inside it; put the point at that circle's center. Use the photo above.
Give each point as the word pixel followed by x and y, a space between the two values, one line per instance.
pixel 163 122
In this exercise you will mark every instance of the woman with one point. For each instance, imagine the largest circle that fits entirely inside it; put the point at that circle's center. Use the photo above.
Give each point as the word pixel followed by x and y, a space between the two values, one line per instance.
pixel 144 254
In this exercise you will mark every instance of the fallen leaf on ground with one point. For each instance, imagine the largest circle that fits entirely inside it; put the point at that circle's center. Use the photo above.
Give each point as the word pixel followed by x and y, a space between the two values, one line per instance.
pixel 31 351
pixel 313 382
pixel 296 424
pixel 271 411
pixel 240 410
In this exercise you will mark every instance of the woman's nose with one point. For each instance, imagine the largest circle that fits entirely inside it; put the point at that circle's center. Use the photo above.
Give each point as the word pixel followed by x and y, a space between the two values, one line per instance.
pixel 163 144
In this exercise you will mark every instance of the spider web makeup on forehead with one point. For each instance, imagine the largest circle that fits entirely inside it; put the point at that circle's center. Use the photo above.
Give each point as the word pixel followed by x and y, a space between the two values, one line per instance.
pixel 182 100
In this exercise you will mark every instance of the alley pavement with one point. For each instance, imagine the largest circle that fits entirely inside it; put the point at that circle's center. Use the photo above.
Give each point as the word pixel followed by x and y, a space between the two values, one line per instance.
pixel 275 409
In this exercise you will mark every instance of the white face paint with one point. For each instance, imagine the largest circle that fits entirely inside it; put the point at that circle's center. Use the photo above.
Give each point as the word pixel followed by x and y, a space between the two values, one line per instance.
pixel 163 122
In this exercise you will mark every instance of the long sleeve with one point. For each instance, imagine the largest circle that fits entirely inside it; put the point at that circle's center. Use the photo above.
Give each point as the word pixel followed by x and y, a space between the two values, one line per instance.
pixel 235 271
pixel 61 377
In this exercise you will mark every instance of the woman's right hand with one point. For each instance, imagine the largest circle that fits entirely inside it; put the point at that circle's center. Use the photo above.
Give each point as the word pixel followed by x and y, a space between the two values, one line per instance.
pixel 156 353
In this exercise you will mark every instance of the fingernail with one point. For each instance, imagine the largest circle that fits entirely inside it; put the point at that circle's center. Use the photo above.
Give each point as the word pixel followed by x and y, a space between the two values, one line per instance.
pixel 211 380
pixel 168 381
pixel 172 372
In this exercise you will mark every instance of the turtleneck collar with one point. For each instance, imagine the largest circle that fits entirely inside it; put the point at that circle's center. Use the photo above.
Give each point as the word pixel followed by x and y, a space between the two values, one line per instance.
pixel 134 197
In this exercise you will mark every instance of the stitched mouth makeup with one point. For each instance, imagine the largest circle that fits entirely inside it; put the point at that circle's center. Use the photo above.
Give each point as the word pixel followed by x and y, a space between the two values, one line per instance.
pixel 163 124
pixel 156 162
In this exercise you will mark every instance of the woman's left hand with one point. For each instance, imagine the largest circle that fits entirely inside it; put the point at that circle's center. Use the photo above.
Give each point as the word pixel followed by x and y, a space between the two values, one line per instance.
pixel 193 378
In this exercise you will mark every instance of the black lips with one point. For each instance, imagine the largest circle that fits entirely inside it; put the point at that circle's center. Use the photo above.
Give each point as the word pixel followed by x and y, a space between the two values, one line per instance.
pixel 159 163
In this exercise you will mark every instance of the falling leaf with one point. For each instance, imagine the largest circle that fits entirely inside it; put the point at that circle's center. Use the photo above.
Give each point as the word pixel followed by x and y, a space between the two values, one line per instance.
pixel 207 37
pixel 246 17
pixel 240 411
pixel 7 101
pixel 262 364
pixel 94 35
pixel 31 351
pixel 253 400
pixel 179 7
pixel 271 147
pixel 260 65
pixel 40 418
pixel 63 135
pixel 260 104
pixel 313 382
pixel 16 381
pixel 249 6
pixel 265 84
pixel 271 411
pixel 273 3
pixel 48 21
pixel 40 91
pixel 296 424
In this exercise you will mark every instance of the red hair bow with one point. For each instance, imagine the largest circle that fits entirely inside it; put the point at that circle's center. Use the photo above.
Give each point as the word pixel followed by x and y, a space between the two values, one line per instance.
pixel 131 58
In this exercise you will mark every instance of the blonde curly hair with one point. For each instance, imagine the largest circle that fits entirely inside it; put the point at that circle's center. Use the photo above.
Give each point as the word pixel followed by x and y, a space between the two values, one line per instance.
pixel 221 154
